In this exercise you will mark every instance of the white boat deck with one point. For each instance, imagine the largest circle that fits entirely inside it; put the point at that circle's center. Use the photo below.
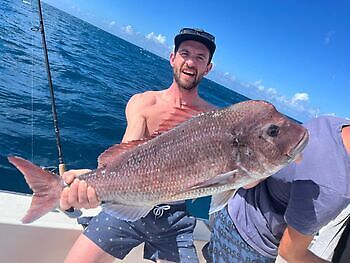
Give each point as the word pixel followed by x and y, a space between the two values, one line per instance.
pixel 49 238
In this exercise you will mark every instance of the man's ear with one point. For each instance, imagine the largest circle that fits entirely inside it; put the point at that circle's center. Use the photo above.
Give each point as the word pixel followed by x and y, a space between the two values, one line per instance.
pixel 172 58
pixel 209 67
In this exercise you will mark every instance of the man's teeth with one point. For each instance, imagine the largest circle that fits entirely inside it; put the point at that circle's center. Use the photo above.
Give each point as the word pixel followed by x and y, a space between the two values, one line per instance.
pixel 188 73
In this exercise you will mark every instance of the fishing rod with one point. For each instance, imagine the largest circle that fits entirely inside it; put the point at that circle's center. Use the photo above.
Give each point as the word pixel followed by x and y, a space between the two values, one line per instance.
pixel 61 165
pixel 71 212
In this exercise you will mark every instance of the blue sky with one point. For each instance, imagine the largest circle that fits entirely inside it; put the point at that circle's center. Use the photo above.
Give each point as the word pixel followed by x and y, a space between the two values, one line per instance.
pixel 293 53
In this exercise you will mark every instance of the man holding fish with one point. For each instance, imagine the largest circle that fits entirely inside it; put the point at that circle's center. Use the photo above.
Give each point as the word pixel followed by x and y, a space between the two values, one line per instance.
pixel 191 61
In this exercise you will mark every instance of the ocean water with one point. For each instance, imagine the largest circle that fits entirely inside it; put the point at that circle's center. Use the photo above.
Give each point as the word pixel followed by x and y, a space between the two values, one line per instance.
pixel 94 73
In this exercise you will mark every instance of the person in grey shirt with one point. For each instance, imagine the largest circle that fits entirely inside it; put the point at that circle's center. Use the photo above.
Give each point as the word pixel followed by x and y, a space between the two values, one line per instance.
pixel 282 214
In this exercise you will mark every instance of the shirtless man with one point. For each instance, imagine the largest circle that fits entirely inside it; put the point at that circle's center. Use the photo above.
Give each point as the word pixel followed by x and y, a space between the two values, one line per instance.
pixel 168 237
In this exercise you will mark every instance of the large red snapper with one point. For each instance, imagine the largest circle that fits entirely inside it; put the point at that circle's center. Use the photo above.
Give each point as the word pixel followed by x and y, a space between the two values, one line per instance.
pixel 212 153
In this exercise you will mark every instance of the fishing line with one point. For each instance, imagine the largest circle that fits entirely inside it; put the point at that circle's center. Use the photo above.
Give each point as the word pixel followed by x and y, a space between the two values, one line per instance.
pixel 32 80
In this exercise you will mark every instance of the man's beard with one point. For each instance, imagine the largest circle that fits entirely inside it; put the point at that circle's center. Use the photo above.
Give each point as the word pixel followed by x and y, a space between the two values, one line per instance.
pixel 186 85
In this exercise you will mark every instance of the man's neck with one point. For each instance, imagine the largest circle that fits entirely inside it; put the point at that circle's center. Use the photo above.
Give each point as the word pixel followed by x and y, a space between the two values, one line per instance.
pixel 181 97
pixel 346 137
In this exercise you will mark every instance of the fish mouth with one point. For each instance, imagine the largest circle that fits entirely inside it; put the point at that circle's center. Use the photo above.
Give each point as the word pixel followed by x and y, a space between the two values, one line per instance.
pixel 299 147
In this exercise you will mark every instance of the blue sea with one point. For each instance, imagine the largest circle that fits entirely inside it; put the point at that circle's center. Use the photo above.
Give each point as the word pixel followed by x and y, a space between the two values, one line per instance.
pixel 94 73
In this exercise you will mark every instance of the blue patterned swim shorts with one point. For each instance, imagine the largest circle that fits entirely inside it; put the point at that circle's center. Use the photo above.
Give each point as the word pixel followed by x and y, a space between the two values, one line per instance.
pixel 167 232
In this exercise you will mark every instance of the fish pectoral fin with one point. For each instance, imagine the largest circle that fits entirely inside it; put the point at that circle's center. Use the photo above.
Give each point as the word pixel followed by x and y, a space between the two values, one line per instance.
pixel 219 201
pixel 220 179
pixel 127 213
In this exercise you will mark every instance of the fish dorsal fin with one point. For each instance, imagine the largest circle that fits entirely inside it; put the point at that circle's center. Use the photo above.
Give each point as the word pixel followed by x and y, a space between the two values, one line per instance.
pixel 177 116
pixel 219 201
pixel 126 212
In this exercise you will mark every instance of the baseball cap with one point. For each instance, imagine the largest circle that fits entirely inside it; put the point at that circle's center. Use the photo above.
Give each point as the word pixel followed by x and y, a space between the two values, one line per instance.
pixel 196 34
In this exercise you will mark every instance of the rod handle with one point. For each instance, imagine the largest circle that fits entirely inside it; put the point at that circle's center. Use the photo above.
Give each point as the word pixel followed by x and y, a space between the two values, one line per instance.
pixel 61 168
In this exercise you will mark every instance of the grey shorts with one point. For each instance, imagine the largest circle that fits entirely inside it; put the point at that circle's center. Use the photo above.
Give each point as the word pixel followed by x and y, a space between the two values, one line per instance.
pixel 227 245
pixel 167 234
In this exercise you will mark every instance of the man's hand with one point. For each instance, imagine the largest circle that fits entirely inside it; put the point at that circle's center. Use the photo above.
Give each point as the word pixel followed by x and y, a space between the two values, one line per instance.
pixel 78 194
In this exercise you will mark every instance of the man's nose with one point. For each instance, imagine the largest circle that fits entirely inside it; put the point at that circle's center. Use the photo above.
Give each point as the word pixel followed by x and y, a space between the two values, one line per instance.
pixel 190 62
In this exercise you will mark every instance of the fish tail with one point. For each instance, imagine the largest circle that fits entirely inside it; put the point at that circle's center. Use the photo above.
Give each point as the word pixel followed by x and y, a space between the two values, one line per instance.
pixel 46 187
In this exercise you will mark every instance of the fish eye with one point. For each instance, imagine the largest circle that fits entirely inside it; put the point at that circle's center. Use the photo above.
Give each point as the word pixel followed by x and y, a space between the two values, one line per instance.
pixel 273 130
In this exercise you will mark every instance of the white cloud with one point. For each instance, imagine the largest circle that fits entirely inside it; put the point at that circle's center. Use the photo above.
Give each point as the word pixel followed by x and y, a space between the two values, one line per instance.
pixel 229 76
pixel 158 39
pixel 296 106
pixel 260 87
pixel 299 97
pixel 112 23
pixel 297 102
pixel 271 91
pixel 257 82
pixel 128 29
pixel 282 99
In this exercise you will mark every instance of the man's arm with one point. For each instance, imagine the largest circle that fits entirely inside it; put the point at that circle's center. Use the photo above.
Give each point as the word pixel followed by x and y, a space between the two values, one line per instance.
pixel 294 247
pixel 136 121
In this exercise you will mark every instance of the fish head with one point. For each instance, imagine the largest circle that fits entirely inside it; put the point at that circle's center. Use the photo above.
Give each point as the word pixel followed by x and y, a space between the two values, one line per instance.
pixel 265 140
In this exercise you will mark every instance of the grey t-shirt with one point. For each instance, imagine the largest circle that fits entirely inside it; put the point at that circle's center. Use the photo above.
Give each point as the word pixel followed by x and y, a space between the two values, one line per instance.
pixel 305 196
